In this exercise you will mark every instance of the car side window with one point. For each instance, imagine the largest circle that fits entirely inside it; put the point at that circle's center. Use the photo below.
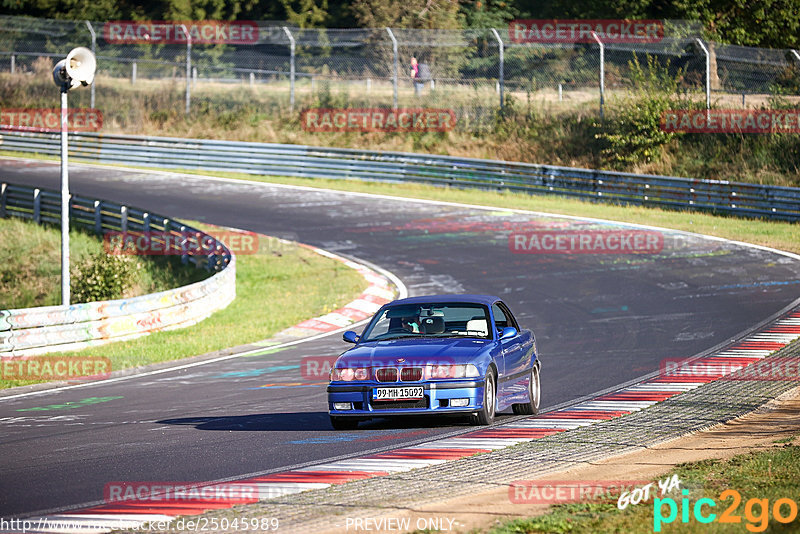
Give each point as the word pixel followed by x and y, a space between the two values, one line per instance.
pixel 500 320
pixel 503 316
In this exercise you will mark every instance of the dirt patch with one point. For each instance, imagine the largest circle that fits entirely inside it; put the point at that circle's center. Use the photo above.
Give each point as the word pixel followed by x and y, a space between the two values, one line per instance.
pixel 779 419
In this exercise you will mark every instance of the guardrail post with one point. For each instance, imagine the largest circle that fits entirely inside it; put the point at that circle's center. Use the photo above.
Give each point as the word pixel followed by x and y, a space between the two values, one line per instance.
pixel 123 218
pixel 146 222
pixel 37 206
pixel 500 77
pixel 394 73
pixel 98 216
pixel 291 67
pixel 708 72
pixel 94 45
pixel 602 74
pixel 3 196
pixel 184 253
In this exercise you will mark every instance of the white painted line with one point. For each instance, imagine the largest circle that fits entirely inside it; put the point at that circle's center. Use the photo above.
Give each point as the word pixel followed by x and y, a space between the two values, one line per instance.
pixel 664 386
pixel 270 490
pixel 614 405
pixel 567 424
pixel 373 465
pixel 769 336
pixel 474 443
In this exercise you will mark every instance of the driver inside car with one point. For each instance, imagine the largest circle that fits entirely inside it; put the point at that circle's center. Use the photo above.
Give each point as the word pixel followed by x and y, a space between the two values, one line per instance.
pixel 410 324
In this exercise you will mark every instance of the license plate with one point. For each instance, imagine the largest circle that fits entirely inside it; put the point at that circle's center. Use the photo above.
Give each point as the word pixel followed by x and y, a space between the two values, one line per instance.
pixel 398 393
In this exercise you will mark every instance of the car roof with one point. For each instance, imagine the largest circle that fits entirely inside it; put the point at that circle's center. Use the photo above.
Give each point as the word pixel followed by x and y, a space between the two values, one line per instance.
pixel 487 300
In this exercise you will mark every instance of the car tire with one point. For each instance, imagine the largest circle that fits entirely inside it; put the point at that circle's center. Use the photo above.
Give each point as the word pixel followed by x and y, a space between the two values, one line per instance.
pixel 534 394
pixel 486 415
pixel 343 423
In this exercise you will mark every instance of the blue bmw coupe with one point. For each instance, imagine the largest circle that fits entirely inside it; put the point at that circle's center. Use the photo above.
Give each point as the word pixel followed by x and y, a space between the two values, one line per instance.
pixel 444 355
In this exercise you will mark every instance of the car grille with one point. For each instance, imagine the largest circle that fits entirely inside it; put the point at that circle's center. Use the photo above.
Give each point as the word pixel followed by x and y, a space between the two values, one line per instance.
pixel 411 374
pixel 407 374
pixel 386 374
pixel 400 405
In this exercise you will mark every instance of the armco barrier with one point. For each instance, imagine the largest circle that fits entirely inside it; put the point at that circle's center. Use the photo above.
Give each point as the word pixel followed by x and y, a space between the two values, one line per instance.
pixel 32 331
pixel 742 199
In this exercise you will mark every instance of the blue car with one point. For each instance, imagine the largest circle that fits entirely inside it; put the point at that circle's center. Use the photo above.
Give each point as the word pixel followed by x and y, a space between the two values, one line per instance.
pixel 444 355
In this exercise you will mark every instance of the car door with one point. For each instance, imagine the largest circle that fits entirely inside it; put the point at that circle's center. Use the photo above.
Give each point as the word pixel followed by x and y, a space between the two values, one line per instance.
pixel 516 361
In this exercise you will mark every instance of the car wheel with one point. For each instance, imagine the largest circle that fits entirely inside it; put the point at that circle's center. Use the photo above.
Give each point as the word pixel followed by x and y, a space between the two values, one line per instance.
pixel 534 394
pixel 343 423
pixel 486 415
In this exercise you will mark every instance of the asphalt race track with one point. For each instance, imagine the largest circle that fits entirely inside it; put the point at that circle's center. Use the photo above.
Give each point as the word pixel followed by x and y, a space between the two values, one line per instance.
pixel 600 320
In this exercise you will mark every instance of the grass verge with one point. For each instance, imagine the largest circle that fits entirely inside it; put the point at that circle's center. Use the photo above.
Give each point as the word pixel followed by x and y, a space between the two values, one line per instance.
pixel 766 477
pixel 275 289
pixel 534 126
pixel 30 265
pixel 780 235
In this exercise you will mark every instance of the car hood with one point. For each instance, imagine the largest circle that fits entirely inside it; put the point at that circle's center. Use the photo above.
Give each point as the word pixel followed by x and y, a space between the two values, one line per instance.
pixel 415 352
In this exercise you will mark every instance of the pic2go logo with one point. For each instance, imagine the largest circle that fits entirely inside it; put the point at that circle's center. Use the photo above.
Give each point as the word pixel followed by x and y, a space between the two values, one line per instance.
pixel 756 511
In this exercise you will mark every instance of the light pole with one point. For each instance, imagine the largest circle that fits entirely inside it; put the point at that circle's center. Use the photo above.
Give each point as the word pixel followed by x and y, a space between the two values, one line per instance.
pixel 74 71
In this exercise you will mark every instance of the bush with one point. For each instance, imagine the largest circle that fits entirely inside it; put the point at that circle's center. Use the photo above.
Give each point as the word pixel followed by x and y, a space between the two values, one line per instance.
pixel 633 133
pixel 103 276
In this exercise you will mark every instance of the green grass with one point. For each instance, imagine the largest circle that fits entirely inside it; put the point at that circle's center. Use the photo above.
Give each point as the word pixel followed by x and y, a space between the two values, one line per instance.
pixel 534 126
pixel 275 289
pixel 780 235
pixel 771 475
pixel 30 265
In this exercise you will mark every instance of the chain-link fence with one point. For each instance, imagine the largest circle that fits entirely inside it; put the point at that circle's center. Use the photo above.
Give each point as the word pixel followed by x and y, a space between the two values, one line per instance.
pixel 473 72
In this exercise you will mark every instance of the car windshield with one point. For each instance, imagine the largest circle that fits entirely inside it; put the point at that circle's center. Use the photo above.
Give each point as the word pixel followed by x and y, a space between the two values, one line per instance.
pixel 429 321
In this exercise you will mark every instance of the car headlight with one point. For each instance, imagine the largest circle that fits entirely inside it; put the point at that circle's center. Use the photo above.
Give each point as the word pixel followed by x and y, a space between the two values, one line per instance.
pixel 349 374
pixel 436 372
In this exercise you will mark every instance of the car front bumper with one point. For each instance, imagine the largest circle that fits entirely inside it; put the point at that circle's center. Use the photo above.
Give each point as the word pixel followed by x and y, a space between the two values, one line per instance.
pixel 437 397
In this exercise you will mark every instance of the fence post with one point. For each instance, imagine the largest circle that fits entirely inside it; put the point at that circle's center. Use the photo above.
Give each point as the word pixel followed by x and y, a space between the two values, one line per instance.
pixel 98 216
pixel 500 77
pixel 184 252
pixel 291 67
pixel 602 74
pixel 794 53
pixel 188 67
pixel 394 74
pixel 94 45
pixel 37 206
pixel 252 79
pixel 708 72
pixel 3 196
pixel 13 63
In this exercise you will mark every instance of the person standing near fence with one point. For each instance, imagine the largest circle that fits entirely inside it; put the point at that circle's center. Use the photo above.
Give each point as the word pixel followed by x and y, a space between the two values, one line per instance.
pixel 418 86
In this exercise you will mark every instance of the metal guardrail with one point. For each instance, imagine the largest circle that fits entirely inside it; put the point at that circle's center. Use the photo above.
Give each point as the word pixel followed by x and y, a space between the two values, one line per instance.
pixel 735 198
pixel 32 331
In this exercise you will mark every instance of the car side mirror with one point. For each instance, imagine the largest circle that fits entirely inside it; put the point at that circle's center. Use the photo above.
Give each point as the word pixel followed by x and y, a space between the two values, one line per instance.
pixel 350 337
pixel 508 332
